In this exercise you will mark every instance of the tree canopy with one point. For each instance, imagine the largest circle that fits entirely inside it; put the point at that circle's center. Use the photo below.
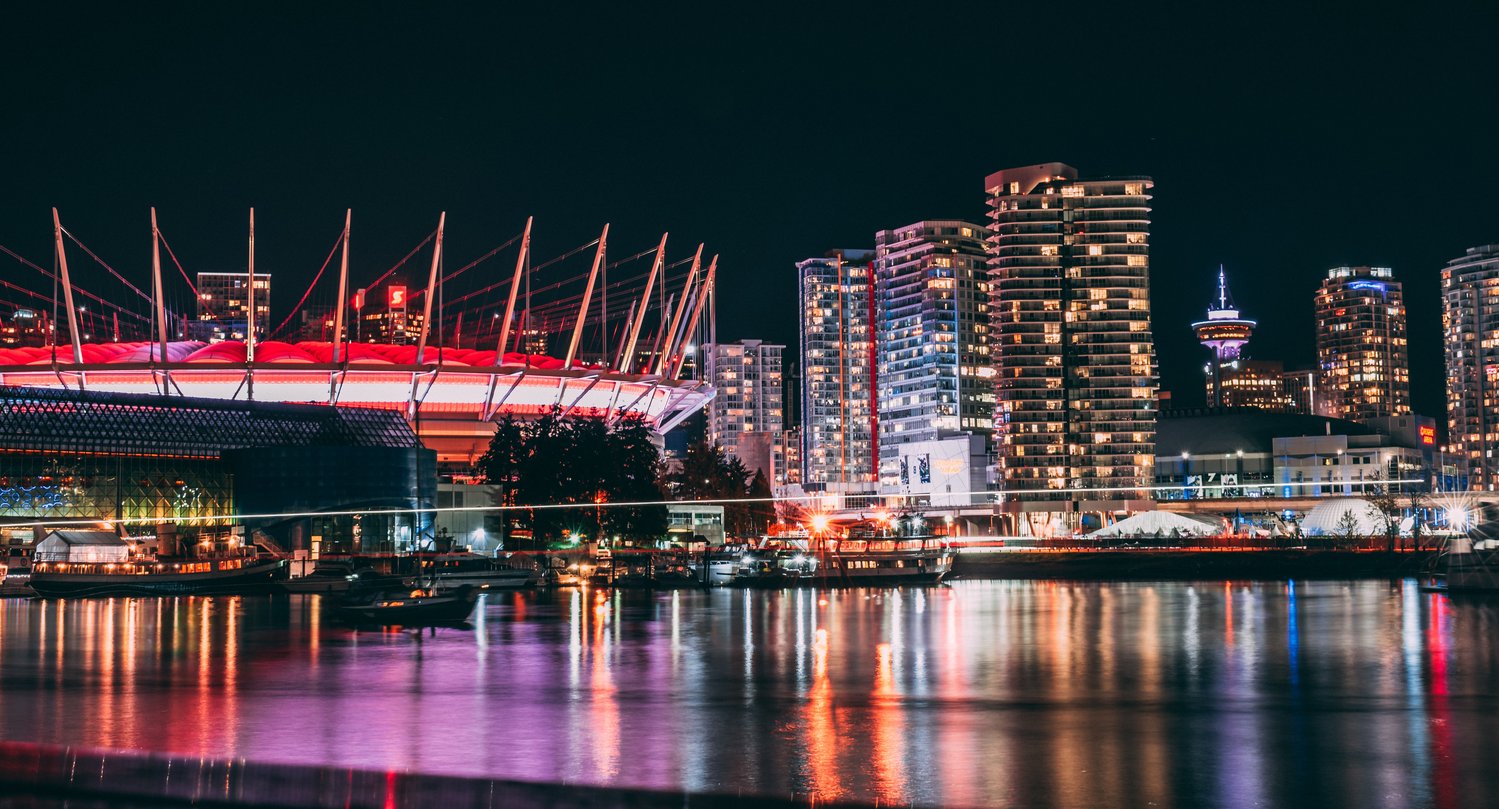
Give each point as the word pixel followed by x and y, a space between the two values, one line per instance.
pixel 709 473
pixel 583 461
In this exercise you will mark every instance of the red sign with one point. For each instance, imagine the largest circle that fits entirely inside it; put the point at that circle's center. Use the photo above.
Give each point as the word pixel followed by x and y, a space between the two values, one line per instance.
pixel 395 297
pixel 359 299
pixel 1428 434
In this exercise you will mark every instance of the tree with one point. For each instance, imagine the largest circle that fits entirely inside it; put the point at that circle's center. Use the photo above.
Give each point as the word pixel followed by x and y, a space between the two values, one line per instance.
pixel 579 461
pixel 1418 502
pixel 1348 525
pixel 708 473
pixel 1383 501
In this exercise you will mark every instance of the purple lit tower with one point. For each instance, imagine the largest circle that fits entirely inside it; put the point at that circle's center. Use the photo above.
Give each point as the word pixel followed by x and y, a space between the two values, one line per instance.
pixel 1224 333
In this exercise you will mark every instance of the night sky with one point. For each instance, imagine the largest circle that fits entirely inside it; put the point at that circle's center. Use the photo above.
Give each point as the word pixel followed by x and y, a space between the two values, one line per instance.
pixel 1282 142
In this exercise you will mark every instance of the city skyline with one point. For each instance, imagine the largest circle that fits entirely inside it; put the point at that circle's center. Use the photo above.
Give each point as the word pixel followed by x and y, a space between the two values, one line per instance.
pixel 586 137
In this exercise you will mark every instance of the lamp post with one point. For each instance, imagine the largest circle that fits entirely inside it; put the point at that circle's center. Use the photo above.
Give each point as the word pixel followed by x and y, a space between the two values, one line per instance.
pixel 1186 475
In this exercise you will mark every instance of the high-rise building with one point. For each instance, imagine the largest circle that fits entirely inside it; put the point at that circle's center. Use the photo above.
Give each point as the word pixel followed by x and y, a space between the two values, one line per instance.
pixel 838 370
pixel 1224 334
pixel 224 305
pixel 745 415
pixel 1361 344
pixel 935 372
pixel 1073 348
pixel 1258 384
pixel 394 324
pixel 1470 324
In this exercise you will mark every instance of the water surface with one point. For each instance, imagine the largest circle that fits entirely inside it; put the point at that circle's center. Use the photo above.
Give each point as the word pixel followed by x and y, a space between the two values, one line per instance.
pixel 1025 694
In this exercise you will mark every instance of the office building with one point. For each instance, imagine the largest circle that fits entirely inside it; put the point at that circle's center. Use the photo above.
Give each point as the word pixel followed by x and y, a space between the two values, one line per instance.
pixel 1076 382
pixel 745 417
pixel 224 306
pixel 1361 344
pixel 837 350
pixel 1470 325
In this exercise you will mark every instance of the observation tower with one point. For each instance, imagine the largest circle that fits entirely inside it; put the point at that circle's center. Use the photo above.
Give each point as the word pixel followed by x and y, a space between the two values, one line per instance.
pixel 1224 334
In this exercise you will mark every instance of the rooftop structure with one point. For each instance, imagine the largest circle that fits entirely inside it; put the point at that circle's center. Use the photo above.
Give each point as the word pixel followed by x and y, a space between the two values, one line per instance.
pixel 1224 334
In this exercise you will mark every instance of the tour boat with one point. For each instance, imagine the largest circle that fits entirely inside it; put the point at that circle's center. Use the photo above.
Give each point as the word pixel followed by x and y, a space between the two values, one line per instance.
pixel 226 575
pixel 830 563
pixel 449 571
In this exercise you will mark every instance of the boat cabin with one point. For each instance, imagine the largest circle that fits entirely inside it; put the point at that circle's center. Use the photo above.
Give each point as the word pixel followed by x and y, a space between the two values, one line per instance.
pixel 82 546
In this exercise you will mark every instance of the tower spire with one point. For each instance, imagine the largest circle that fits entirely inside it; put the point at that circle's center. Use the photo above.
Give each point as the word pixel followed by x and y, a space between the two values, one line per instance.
pixel 1222 288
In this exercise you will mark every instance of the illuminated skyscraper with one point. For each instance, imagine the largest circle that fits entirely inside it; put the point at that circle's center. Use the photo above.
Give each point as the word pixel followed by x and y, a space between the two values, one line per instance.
pixel 1224 334
pixel 745 416
pixel 935 371
pixel 837 360
pixel 1470 325
pixel 224 305
pixel 1361 344
pixel 1073 348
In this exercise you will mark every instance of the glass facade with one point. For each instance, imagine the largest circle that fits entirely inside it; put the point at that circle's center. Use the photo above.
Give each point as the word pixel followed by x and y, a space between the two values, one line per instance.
pixel 935 372
pixel 68 454
pixel 837 363
pixel 1362 356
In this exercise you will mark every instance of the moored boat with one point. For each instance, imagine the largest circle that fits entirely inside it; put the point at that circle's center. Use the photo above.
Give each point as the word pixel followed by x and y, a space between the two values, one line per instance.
pixel 233 575
pixel 450 571
pixel 419 606
pixel 1472 566
pixel 832 563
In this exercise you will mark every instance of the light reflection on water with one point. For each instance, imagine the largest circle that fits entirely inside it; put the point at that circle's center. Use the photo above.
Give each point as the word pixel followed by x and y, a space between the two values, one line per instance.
pixel 977 693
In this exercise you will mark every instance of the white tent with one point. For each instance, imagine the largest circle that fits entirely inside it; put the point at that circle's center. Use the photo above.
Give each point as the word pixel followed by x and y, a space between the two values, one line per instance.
pixel 1326 518
pixel 1160 523
pixel 82 546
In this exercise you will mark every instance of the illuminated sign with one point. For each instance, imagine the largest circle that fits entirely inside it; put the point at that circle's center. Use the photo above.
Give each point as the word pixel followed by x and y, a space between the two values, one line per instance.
pixel 1428 435
pixel 358 299
pixel 1374 285
pixel 395 297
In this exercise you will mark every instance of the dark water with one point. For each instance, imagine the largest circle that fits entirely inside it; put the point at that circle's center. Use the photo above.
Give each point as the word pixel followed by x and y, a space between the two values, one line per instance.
pixel 1026 694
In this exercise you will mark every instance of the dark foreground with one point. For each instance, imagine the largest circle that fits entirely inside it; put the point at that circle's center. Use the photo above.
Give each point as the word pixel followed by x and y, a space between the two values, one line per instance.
pixel 994 693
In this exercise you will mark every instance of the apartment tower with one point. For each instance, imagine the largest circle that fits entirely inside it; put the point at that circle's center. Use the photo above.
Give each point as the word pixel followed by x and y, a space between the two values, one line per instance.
pixel 1361 346
pixel 935 371
pixel 838 434
pixel 1075 360
pixel 1470 323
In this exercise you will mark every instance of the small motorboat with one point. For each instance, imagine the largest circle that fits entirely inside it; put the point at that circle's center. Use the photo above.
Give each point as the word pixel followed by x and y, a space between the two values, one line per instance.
pixel 418 606
pixel 328 576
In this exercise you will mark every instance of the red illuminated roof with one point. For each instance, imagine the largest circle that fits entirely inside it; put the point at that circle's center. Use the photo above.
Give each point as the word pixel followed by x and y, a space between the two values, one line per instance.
pixel 274 352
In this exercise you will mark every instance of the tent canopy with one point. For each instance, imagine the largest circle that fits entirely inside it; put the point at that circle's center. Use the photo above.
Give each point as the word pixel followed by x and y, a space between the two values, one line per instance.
pixel 1150 523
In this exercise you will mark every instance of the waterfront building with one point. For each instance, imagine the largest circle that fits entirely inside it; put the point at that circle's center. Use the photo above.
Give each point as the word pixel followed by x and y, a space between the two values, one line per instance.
pixel 745 417
pixel 224 306
pixel 935 373
pixel 1076 382
pixel 148 459
pixel 837 359
pixel 1215 453
pixel 1224 334
pixel 1470 325
pixel 1361 344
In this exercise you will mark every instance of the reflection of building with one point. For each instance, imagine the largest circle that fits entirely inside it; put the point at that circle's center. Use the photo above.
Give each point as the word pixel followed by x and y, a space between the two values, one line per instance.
pixel 935 373
pixel 66 454
pixel 1224 334
pixel 745 417
pixel 1076 378
pixel 1361 344
pixel 224 305
pixel 837 363
pixel 1470 321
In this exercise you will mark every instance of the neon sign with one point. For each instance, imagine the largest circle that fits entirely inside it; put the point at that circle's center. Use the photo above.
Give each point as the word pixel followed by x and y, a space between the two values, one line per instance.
pixel 1428 435
pixel 1374 285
